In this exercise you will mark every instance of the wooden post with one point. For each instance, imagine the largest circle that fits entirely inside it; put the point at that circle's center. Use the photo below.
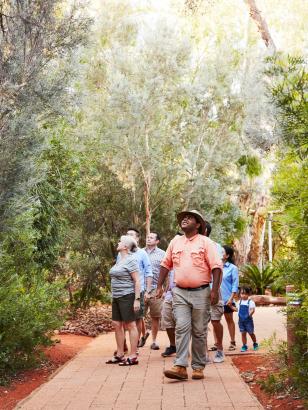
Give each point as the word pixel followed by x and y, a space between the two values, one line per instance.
pixel 270 239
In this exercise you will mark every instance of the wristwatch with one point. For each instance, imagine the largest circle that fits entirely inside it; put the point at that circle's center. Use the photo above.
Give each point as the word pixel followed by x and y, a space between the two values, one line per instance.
pixel 138 298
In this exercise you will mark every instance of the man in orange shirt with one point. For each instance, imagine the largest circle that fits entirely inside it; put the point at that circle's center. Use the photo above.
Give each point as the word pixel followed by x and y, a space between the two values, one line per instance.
pixel 196 262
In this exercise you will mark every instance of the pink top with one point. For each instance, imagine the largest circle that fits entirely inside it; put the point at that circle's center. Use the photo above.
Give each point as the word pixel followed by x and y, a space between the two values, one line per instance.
pixel 192 259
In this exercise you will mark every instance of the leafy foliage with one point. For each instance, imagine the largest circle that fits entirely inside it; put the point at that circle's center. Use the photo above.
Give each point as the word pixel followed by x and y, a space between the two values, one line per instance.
pixel 37 39
pixel 252 165
pixel 30 306
pixel 56 195
pixel 28 315
pixel 95 227
pixel 36 42
pixel 289 92
pixel 170 123
pixel 290 187
pixel 290 95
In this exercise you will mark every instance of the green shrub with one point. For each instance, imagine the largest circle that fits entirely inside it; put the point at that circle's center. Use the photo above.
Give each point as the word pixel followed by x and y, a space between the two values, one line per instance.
pixel 289 379
pixel 252 165
pixel 30 306
pixel 28 315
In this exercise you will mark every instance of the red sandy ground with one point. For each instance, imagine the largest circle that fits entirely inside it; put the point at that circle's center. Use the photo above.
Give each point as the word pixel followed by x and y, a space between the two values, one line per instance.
pixel 29 380
pixel 262 366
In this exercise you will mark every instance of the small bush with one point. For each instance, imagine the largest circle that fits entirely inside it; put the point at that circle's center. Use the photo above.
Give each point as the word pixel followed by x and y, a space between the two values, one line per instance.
pixel 28 316
pixel 291 375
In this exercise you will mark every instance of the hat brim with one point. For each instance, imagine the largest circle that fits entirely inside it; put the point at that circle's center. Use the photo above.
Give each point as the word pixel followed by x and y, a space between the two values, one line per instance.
pixel 199 219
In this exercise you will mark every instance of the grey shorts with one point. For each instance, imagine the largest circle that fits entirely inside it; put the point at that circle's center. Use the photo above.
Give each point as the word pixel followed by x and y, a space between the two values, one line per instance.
pixel 167 318
pixel 217 310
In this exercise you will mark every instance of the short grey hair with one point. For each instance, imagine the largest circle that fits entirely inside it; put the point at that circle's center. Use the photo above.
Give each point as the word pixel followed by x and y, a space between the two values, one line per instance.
pixel 129 242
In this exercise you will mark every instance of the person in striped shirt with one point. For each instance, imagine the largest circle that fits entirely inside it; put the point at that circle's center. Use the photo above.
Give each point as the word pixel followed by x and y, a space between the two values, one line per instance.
pixel 153 304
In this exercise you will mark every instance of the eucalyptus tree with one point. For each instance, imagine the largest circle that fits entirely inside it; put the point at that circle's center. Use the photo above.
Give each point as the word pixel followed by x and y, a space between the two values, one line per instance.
pixel 144 59
pixel 162 117
pixel 177 101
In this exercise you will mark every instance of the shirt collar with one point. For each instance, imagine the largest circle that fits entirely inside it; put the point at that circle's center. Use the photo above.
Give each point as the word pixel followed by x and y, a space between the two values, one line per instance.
pixel 192 238
pixel 227 263
pixel 150 250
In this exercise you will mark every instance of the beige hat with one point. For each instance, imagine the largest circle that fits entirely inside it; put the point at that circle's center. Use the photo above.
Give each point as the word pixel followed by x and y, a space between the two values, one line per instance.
pixel 198 217
pixel 129 242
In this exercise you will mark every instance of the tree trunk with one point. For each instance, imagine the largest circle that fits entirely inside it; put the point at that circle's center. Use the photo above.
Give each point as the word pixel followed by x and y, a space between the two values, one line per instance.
pixel 147 185
pixel 256 247
pixel 255 14
pixel 250 246
pixel 242 247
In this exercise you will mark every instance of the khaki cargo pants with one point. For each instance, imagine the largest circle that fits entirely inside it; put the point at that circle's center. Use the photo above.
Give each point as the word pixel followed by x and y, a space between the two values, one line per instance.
pixel 192 315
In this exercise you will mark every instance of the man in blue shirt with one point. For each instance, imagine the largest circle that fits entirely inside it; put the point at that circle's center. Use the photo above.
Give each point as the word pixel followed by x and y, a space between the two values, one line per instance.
pixel 145 274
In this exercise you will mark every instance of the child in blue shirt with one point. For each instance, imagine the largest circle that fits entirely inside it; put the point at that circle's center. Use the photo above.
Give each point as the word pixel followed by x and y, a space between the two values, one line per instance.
pixel 246 308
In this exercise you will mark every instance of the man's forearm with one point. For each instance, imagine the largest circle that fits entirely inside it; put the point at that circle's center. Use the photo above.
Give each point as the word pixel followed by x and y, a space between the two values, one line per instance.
pixel 149 281
pixel 162 276
pixel 216 273
pixel 137 289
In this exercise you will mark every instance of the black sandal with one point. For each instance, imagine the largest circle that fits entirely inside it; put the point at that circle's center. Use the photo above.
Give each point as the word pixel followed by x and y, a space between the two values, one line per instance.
pixel 129 362
pixel 116 360
pixel 213 348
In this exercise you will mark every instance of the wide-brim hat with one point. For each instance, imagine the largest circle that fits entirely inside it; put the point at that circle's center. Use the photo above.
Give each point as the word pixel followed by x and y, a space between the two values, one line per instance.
pixel 198 217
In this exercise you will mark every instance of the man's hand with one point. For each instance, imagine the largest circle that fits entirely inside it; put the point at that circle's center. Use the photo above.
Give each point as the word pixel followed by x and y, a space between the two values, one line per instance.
pixel 229 303
pixel 214 297
pixel 159 292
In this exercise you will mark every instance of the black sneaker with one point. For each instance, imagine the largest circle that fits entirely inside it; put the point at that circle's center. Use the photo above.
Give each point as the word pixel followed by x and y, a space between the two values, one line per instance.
pixel 169 351
pixel 143 339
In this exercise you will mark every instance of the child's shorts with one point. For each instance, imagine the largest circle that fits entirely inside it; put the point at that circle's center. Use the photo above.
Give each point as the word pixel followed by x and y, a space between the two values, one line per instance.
pixel 246 325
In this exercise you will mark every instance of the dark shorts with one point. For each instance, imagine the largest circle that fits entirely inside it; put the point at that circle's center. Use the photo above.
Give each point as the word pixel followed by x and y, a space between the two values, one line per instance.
pixel 227 308
pixel 246 326
pixel 123 308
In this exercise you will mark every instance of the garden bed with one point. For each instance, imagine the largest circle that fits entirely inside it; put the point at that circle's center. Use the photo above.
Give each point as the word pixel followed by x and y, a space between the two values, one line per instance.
pixel 255 370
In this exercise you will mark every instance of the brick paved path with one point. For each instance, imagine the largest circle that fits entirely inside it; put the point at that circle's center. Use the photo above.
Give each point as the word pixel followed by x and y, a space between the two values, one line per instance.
pixel 87 382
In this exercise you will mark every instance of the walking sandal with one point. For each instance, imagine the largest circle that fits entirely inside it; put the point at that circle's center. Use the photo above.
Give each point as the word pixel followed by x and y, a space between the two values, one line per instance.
pixel 116 359
pixel 129 362
pixel 213 348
